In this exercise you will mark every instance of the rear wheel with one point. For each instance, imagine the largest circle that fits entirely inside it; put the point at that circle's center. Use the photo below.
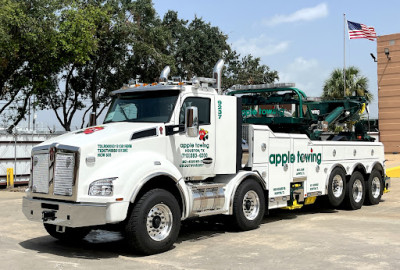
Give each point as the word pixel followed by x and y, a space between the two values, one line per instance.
pixel 336 187
pixel 374 188
pixel 69 235
pixel 355 192
pixel 248 206
pixel 154 223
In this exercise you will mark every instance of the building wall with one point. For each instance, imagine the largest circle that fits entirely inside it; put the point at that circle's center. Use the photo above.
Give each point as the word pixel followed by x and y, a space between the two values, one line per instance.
pixel 389 91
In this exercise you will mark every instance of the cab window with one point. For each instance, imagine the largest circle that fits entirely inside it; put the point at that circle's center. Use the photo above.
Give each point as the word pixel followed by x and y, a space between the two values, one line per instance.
pixel 203 107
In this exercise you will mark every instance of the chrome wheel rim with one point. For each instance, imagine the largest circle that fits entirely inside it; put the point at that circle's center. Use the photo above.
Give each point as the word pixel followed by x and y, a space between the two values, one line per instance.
pixel 337 186
pixel 357 190
pixel 159 222
pixel 376 187
pixel 251 205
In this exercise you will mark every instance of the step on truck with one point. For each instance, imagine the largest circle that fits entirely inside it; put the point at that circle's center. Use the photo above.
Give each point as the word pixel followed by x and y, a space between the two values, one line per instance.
pixel 178 149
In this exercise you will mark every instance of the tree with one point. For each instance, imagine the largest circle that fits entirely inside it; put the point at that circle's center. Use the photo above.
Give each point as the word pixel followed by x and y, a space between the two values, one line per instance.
pixel 27 52
pixel 69 52
pixel 150 42
pixel 248 70
pixel 127 40
pixel 356 84
pixel 76 43
pixel 196 46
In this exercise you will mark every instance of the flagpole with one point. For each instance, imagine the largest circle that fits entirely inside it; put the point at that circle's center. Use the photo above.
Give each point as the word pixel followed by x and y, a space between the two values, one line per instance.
pixel 344 54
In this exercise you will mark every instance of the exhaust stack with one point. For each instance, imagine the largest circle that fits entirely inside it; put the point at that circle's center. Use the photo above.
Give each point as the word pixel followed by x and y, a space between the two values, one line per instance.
pixel 164 74
pixel 217 75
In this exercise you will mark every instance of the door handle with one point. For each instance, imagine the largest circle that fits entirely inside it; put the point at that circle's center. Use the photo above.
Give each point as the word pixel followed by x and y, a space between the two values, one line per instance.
pixel 207 160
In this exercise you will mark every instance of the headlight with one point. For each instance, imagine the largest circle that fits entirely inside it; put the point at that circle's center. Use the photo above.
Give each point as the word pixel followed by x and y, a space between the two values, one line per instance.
pixel 102 187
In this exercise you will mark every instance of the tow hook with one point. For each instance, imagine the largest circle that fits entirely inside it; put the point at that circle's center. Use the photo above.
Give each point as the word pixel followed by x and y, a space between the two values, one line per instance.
pixel 48 215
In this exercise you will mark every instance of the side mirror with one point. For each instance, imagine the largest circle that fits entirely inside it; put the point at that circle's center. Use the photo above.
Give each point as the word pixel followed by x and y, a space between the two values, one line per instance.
pixel 191 122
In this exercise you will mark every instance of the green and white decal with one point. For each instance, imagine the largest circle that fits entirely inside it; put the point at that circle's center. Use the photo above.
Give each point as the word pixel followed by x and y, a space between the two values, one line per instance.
pixel 263 112
pixel 285 158
pixel 107 150
pixel 219 109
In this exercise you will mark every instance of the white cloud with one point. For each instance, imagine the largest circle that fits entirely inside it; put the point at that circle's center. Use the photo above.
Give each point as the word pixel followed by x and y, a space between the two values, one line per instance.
pixel 260 46
pixel 305 14
pixel 308 75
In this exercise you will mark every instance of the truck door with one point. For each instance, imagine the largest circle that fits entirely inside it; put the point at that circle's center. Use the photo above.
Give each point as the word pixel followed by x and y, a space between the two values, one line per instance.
pixel 303 157
pixel 195 156
pixel 279 169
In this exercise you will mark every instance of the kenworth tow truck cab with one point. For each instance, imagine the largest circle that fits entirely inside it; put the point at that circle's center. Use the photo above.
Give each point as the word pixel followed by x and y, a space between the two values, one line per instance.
pixel 174 150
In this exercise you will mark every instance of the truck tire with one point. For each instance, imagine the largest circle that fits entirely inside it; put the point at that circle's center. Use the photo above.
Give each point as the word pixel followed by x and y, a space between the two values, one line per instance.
pixel 248 206
pixel 355 192
pixel 154 223
pixel 70 235
pixel 373 188
pixel 336 187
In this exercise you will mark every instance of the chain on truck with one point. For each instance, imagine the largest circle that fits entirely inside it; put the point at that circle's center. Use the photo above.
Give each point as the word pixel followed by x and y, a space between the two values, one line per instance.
pixel 178 149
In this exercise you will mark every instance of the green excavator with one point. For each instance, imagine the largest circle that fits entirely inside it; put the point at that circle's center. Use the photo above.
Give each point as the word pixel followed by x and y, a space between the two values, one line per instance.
pixel 285 108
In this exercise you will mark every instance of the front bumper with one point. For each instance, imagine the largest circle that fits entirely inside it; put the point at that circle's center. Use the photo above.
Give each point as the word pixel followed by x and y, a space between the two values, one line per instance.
pixel 74 214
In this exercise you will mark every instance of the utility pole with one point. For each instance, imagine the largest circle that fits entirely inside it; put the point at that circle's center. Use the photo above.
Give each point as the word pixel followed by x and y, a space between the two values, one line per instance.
pixel 344 54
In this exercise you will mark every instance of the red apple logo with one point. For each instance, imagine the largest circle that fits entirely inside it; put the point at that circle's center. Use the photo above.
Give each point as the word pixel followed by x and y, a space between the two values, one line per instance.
pixel 203 135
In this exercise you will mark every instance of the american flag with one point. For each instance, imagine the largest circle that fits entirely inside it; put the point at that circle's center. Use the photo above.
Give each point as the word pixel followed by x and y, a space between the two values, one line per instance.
pixel 359 30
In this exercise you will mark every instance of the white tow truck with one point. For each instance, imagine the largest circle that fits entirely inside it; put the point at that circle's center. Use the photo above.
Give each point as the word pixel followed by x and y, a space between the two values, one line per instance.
pixel 174 150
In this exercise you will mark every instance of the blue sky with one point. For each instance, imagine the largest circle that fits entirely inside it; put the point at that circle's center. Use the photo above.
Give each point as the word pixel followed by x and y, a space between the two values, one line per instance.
pixel 302 40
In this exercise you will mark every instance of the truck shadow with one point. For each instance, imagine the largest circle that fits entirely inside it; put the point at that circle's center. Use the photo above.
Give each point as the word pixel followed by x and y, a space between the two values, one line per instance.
pixel 202 228
pixel 100 244
pixel 284 214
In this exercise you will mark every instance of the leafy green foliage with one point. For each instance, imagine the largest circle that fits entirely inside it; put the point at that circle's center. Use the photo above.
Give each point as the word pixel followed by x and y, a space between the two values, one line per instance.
pixel 105 45
pixel 248 70
pixel 356 84
pixel 67 52
pixel 196 47
pixel 76 29
pixel 27 51
pixel 150 40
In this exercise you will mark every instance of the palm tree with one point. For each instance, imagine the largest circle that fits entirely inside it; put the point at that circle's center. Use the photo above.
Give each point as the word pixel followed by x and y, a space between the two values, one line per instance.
pixel 356 85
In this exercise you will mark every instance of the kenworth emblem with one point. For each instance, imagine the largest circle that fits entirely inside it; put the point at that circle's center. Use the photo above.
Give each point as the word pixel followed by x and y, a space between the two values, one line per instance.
pixel 68 162
pixel 35 161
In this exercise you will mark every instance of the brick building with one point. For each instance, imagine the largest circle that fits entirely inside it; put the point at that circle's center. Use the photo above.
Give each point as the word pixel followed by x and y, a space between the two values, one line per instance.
pixel 388 51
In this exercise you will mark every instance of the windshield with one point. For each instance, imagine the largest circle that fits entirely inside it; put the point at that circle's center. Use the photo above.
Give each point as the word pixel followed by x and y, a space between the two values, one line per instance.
pixel 151 106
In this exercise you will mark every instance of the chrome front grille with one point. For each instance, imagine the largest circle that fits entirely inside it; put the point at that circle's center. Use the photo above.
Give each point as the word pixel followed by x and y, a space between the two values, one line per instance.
pixel 54 171
pixel 64 174
pixel 40 173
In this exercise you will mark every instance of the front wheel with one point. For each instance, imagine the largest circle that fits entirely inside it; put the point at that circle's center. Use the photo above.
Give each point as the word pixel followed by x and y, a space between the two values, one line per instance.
pixel 248 206
pixel 69 235
pixel 154 223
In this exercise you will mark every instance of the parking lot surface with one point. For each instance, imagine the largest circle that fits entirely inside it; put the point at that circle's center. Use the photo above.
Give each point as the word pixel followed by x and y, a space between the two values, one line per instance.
pixel 314 237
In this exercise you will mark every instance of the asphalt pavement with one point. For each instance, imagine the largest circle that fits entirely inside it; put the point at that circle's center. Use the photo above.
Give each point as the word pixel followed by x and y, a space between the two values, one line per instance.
pixel 314 237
